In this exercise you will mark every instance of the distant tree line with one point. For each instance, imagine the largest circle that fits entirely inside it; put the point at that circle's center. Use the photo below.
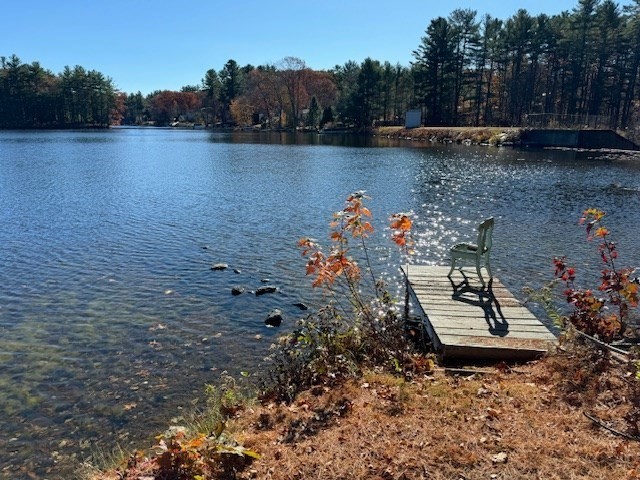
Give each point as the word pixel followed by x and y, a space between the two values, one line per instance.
pixel 284 95
pixel 471 71
pixel 32 97
pixel 467 71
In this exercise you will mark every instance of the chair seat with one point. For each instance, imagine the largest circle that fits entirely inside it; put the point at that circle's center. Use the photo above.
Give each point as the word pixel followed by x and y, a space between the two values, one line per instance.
pixel 465 247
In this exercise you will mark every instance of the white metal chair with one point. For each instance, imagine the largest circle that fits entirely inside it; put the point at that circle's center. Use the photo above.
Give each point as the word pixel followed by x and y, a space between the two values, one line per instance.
pixel 476 254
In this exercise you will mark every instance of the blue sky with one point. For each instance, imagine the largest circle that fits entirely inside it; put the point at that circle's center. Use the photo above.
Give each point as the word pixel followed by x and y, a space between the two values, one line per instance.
pixel 153 45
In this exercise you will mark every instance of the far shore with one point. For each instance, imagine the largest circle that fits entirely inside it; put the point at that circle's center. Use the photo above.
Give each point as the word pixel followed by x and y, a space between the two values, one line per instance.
pixel 566 139
pixel 470 135
pixel 473 135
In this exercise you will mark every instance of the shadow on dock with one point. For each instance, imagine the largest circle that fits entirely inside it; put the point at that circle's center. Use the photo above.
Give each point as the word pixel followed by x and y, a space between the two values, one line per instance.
pixel 464 321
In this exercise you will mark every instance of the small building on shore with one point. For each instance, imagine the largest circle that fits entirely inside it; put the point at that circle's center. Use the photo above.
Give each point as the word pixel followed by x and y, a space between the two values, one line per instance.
pixel 413 119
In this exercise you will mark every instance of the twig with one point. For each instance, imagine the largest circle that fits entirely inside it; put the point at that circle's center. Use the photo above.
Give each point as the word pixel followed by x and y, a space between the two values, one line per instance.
pixel 467 371
pixel 366 255
pixel 604 345
pixel 612 430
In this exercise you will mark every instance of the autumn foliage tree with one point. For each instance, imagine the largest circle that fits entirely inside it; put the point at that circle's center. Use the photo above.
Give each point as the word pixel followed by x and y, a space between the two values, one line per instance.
pixel 265 93
pixel 241 111
pixel 293 72
pixel 167 106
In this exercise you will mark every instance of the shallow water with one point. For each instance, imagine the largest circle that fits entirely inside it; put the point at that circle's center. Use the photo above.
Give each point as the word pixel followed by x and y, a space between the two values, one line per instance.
pixel 111 320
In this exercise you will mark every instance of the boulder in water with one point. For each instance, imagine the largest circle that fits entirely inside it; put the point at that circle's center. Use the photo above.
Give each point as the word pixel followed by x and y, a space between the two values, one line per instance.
pixel 274 319
pixel 265 289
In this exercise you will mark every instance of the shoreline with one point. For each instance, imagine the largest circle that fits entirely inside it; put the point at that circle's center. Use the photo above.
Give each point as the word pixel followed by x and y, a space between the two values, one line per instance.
pixel 440 423
pixel 496 136
pixel 577 140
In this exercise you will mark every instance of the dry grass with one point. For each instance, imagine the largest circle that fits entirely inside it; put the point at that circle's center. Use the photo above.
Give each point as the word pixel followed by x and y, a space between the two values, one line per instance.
pixel 503 426
pixel 510 424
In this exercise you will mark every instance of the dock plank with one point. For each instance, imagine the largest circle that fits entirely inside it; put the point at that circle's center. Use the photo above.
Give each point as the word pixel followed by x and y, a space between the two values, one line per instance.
pixel 464 321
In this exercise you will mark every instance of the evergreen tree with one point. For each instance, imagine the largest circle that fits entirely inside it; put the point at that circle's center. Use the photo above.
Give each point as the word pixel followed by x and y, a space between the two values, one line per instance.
pixel 607 25
pixel 436 66
pixel 231 83
pixel 366 98
pixel 346 79
pixel 212 92
pixel 582 36
pixel 327 116
pixel 632 47
pixel 465 31
pixel 518 39
pixel 313 117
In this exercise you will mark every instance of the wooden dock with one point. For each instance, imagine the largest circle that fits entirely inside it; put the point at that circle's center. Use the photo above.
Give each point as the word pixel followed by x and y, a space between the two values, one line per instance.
pixel 466 322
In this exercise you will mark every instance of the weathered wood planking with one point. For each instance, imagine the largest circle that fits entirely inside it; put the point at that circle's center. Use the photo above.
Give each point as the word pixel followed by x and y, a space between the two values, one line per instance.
pixel 467 323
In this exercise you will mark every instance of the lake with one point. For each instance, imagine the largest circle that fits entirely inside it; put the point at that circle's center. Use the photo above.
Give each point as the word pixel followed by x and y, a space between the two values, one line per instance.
pixel 111 319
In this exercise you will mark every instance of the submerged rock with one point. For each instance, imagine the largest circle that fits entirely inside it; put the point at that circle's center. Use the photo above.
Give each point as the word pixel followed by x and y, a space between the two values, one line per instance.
pixel 265 289
pixel 237 270
pixel 274 319
pixel 301 306
pixel 237 291
pixel 219 266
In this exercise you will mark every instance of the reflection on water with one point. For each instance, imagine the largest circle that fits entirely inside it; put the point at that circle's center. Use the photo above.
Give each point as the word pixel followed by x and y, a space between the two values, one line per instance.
pixel 111 319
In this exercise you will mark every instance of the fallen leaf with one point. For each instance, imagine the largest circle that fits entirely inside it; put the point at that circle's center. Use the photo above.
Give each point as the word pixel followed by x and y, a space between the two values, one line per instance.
pixel 500 458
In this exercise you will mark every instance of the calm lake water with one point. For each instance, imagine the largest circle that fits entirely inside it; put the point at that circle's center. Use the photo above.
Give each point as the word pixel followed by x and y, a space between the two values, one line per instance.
pixel 111 320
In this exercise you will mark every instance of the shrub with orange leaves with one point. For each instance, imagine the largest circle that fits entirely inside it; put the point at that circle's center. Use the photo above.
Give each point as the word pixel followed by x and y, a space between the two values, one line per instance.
pixel 604 315
pixel 401 230
pixel 361 326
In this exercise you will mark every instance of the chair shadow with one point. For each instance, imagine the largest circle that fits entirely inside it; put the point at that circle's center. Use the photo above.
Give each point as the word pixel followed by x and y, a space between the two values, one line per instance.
pixel 484 298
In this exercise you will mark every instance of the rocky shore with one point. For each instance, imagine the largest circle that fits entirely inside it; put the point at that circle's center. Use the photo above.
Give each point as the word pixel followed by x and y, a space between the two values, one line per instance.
pixel 468 135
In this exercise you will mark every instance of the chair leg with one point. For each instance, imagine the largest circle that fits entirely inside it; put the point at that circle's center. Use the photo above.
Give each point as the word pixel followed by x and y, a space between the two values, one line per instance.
pixel 479 271
pixel 453 266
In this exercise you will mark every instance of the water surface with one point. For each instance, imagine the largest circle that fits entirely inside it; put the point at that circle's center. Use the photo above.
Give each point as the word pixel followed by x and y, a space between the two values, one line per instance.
pixel 111 320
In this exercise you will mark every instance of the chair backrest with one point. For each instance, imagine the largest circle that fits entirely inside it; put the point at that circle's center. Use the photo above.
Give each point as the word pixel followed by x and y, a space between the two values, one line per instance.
pixel 485 231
